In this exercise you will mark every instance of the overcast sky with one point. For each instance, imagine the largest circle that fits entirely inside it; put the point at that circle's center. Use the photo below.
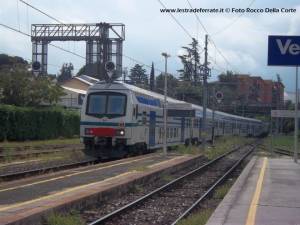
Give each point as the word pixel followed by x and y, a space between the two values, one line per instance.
pixel 150 32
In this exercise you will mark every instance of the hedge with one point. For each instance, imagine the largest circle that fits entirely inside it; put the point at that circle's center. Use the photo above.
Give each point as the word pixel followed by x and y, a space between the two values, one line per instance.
pixel 24 123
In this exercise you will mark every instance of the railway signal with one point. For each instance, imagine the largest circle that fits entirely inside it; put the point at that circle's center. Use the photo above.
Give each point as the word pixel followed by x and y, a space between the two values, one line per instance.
pixel 219 96
pixel 109 67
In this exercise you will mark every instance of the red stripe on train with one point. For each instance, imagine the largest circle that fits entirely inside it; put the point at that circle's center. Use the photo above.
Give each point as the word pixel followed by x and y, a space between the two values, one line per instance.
pixel 102 132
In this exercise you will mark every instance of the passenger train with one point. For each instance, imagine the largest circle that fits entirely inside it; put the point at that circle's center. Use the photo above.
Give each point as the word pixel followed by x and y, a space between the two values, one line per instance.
pixel 118 118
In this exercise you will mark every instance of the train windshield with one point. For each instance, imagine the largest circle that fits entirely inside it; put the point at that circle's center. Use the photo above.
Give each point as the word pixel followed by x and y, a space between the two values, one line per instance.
pixel 107 104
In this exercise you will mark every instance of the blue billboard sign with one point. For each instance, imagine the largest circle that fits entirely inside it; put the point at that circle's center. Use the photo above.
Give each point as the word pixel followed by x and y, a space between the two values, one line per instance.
pixel 283 50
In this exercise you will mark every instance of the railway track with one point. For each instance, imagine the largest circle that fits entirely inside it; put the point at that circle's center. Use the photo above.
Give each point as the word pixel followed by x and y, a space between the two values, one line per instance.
pixel 25 153
pixel 38 171
pixel 284 152
pixel 175 200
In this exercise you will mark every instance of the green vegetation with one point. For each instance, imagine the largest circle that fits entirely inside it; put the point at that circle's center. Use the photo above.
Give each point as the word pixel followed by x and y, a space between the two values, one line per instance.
pixel 286 142
pixel 167 177
pixel 221 191
pixel 58 219
pixel 30 144
pixel 191 150
pixel 25 123
pixel 7 153
pixel 222 145
pixel 198 218
pixel 22 88
pixel 225 144
pixel 141 168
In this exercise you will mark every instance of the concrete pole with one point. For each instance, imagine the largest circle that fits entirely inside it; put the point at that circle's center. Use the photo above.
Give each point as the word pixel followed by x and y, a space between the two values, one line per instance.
pixel 296 120
pixel 205 93
pixel 213 115
pixel 165 55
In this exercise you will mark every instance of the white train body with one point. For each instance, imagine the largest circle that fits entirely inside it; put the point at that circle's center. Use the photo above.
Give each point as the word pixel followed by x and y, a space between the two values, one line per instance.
pixel 118 118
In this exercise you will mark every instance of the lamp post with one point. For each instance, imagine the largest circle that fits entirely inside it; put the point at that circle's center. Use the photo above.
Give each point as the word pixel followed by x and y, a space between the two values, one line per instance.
pixel 165 55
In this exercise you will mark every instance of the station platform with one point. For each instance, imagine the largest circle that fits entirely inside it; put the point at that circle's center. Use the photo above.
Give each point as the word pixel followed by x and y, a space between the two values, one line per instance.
pixel 29 200
pixel 266 193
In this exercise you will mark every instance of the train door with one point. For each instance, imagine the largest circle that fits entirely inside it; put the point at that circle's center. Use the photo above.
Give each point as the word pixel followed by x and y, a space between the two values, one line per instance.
pixel 182 129
pixel 152 124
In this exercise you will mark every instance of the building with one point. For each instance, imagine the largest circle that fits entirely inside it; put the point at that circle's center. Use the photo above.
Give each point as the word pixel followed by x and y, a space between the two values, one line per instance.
pixel 252 93
pixel 75 90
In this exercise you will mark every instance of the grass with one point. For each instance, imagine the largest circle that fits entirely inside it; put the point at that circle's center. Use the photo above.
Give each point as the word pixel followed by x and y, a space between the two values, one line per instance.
pixel 201 217
pixel 221 145
pixel 221 191
pixel 190 150
pixel 167 177
pixel 282 141
pixel 7 153
pixel 198 218
pixel 15 144
pixel 58 219
pixel 141 168
pixel 225 144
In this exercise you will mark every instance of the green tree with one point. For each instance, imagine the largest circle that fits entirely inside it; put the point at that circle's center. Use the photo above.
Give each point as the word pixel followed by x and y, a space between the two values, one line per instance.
pixel 191 62
pixel 19 87
pixel 66 72
pixel 228 76
pixel 138 76
pixel 152 78
pixel 172 84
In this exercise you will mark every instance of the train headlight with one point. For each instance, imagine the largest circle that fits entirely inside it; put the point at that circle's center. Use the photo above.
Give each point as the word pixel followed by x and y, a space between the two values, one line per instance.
pixel 120 132
pixel 88 131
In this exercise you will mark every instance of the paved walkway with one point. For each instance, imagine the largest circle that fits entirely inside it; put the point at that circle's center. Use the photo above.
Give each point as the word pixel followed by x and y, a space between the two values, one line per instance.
pixel 266 193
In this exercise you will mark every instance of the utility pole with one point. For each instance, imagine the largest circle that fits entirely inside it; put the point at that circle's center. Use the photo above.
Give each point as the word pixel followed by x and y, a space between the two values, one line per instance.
pixel 296 120
pixel 165 55
pixel 205 75
pixel 213 115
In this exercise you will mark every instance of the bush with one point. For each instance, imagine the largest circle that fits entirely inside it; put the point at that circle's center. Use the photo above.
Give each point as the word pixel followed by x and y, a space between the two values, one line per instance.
pixel 24 123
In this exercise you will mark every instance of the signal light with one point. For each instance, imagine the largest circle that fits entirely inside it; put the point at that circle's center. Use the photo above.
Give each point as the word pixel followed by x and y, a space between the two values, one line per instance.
pixel 120 132
pixel 88 131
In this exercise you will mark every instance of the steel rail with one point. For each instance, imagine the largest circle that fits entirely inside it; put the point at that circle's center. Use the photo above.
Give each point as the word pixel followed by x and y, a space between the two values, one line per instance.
pixel 212 187
pixel 26 173
pixel 164 187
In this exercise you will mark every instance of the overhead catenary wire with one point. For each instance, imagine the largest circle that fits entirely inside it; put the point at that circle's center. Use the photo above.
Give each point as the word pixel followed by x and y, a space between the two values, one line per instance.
pixel 210 38
pixel 186 31
pixel 53 45
pixel 233 21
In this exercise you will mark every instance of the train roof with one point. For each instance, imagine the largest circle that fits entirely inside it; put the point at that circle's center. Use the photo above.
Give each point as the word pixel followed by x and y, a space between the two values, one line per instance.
pixel 173 103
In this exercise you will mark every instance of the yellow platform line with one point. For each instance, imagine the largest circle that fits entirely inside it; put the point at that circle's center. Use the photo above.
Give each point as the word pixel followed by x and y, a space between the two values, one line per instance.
pixel 62 192
pixel 74 174
pixel 67 191
pixel 255 199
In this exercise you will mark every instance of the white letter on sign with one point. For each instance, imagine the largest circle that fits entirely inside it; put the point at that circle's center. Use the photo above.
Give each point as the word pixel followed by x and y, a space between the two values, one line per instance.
pixel 294 49
pixel 283 49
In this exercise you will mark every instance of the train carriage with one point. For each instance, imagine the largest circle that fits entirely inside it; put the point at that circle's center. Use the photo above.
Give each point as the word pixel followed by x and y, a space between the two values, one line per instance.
pixel 118 118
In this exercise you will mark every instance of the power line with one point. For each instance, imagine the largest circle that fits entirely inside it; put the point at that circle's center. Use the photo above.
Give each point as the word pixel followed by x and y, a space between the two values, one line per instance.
pixel 211 40
pixel 233 21
pixel 28 35
pixel 46 14
pixel 174 18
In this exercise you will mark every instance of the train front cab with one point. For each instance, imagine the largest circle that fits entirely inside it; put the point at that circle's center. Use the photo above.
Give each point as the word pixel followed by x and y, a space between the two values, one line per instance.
pixel 105 126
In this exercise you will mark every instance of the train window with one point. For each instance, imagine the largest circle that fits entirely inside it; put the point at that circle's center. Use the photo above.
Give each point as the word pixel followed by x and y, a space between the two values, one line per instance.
pixel 171 132
pixel 175 132
pixel 109 104
pixel 97 104
pixel 133 112
pixel 116 104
